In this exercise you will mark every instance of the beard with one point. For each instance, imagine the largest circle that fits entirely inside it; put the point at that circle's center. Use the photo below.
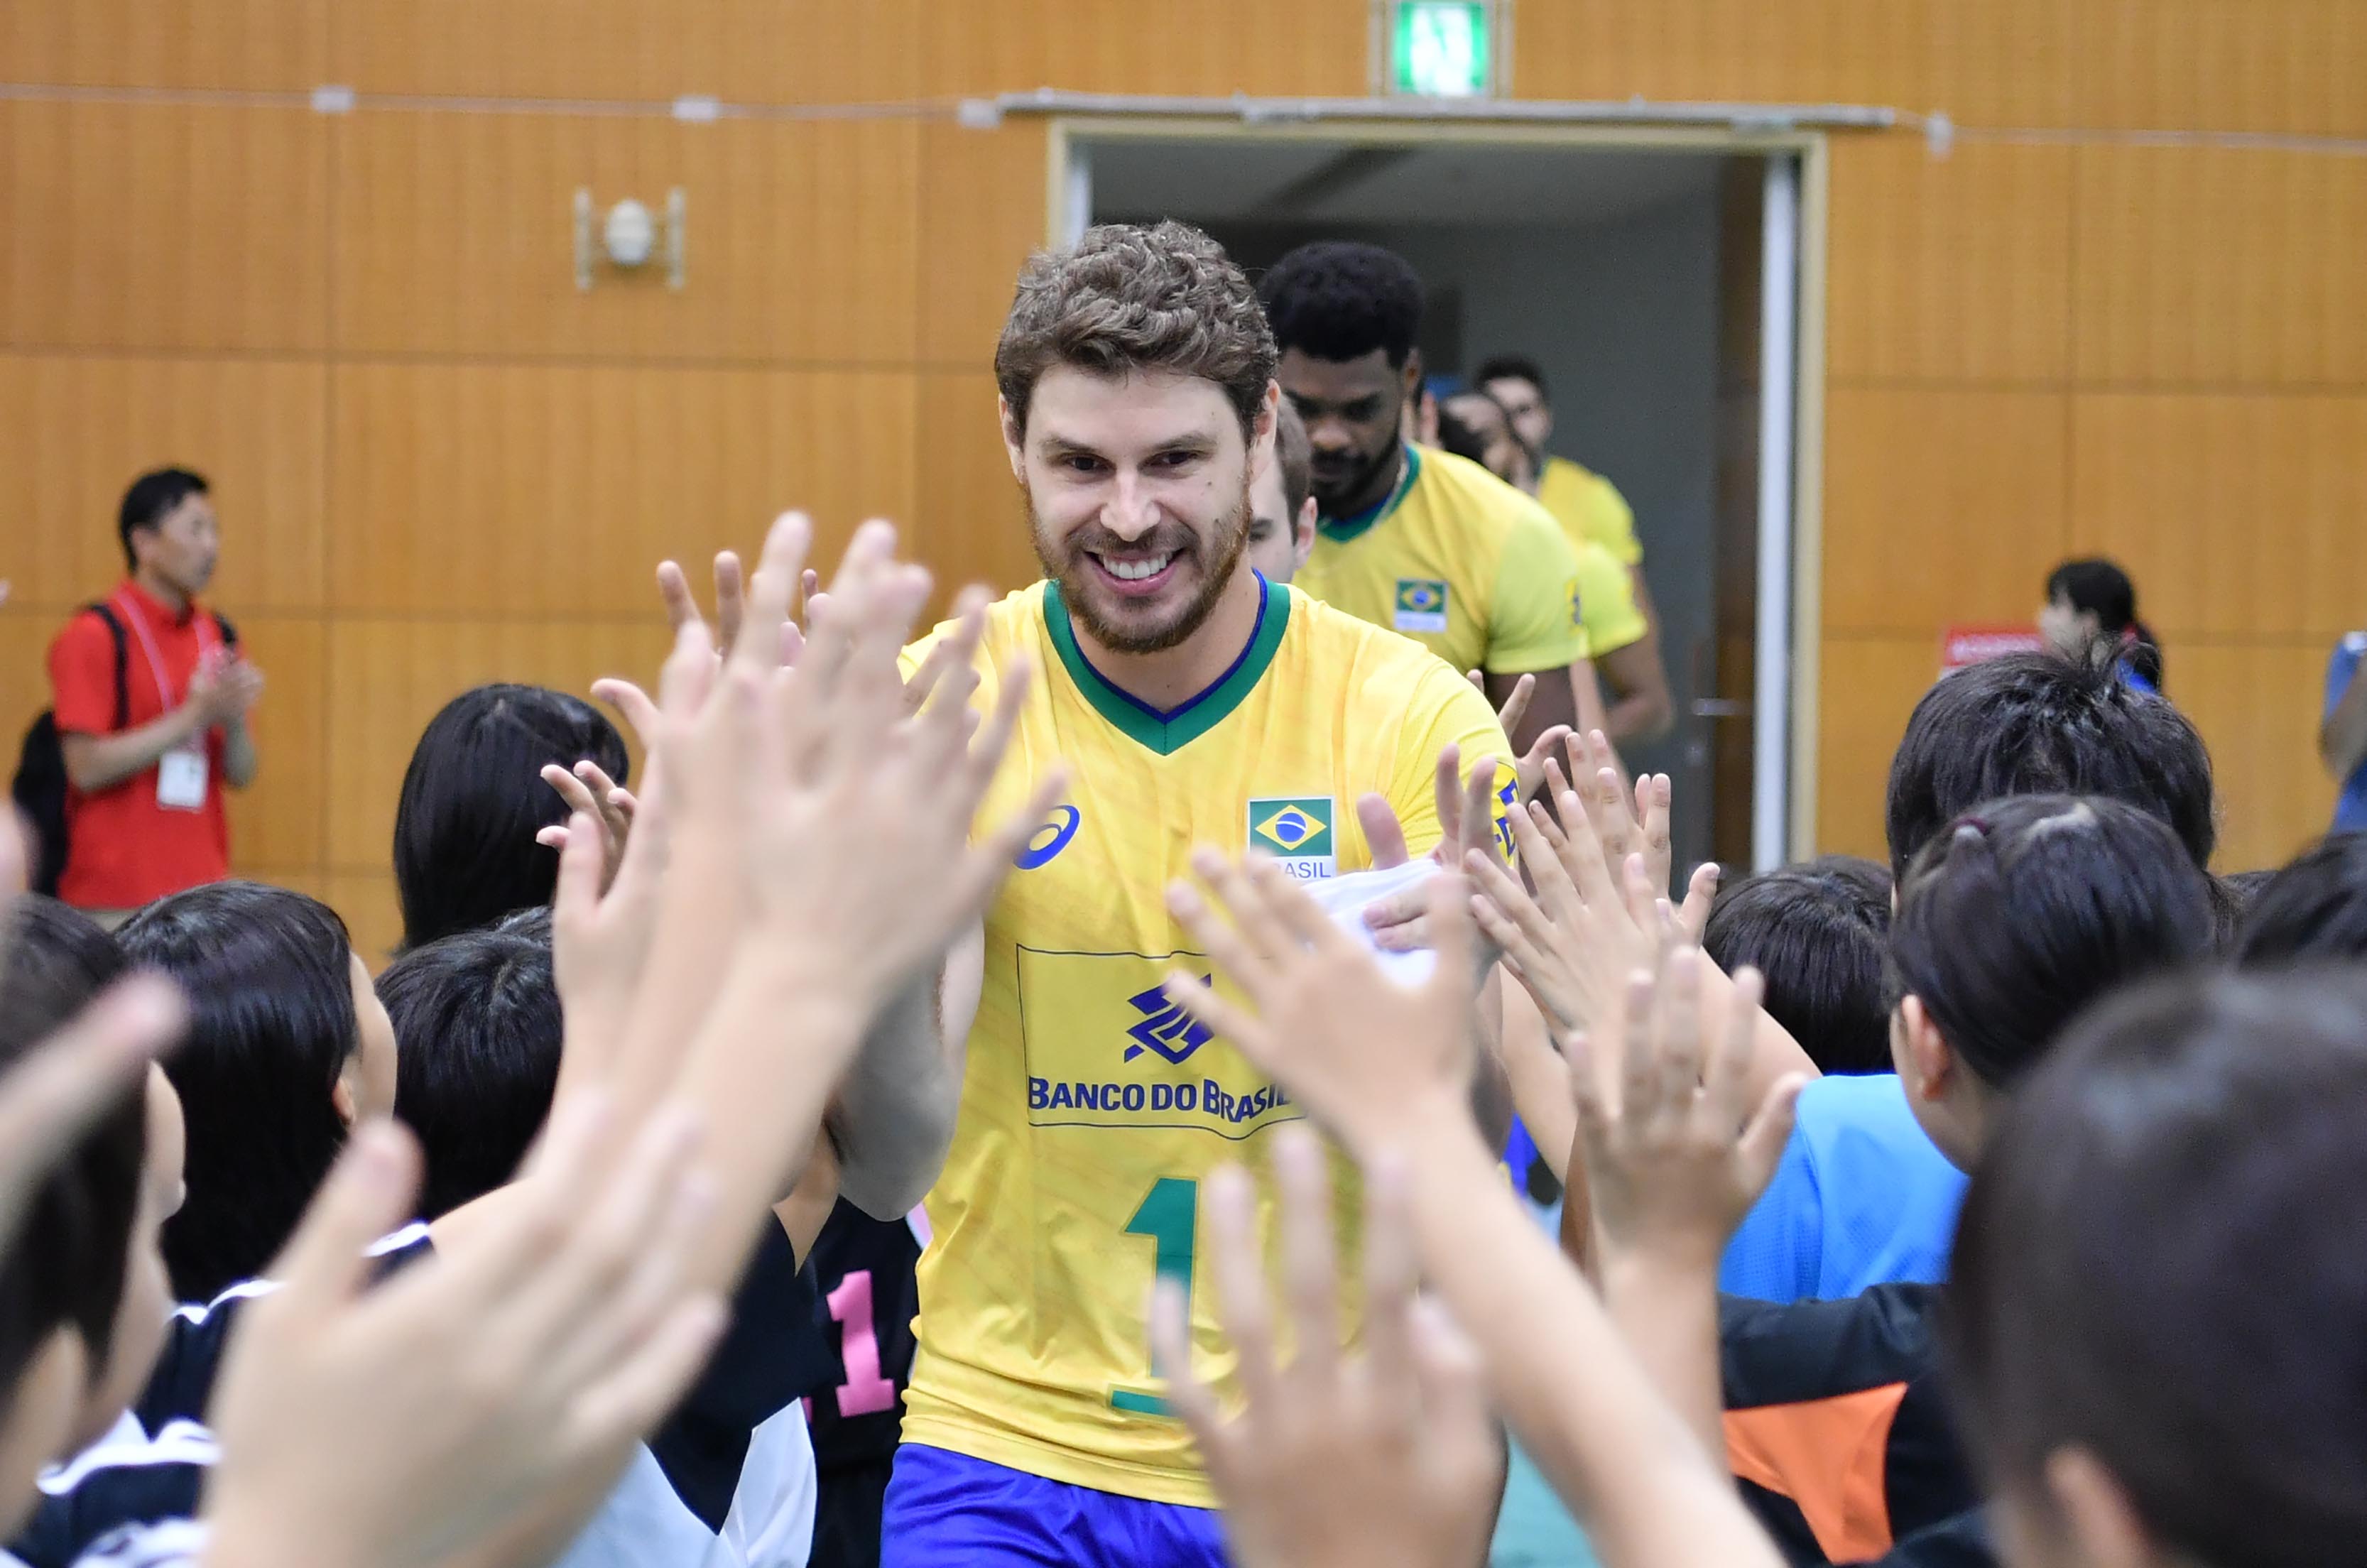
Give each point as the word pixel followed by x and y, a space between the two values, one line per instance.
pixel 1360 481
pixel 1215 559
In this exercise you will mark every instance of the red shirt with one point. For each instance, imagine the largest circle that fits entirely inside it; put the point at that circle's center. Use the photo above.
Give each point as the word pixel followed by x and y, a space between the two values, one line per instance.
pixel 123 848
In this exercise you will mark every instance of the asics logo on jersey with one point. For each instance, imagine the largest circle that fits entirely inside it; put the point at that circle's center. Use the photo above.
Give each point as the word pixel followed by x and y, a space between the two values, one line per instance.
pixel 1507 797
pixel 1050 839
pixel 1577 614
pixel 1165 1028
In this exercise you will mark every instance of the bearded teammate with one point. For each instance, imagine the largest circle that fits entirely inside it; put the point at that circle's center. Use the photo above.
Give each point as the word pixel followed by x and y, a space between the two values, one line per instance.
pixel 1193 703
pixel 1423 542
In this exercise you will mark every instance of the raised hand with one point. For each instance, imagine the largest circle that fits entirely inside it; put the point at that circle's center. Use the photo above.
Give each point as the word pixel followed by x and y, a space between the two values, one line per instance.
pixel 1530 769
pixel 1369 1056
pixel 1574 941
pixel 1466 824
pixel 1638 826
pixel 1388 1456
pixel 1676 1162
pixel 483 1380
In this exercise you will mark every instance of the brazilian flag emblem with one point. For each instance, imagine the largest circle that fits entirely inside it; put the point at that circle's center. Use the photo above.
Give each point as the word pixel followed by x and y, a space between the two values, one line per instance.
pixel 1292 826
pixel 1421 604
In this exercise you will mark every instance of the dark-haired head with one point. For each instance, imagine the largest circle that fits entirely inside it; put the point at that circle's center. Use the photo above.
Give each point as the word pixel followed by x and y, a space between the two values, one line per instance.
pixel 2314 908
pixel 1339 300
pixel 473 800
pixel 2022 913
pixel 1518 383
pixel 1821 933
pixel 2091 605
pixel 166 526
pixel 66 1268
pixel 478 1022
pixel 2159 1314
pixel 286 1047
pixel 1344 319
pixel 2035 724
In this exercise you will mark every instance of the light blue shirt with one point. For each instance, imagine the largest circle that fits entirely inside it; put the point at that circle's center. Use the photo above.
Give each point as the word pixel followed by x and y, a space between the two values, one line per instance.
pixel 1862 1198
pixel 2351 810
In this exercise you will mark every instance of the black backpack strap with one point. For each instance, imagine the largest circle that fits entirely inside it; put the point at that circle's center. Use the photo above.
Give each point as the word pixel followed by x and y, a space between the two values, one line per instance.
pixel 122 665
pixel 229 633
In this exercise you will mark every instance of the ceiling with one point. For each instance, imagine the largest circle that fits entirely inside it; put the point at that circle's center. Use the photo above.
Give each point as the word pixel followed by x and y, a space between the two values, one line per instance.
pixel 1246 179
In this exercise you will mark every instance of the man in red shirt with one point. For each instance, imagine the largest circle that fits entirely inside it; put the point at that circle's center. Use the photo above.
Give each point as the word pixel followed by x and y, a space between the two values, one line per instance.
pixel 151 695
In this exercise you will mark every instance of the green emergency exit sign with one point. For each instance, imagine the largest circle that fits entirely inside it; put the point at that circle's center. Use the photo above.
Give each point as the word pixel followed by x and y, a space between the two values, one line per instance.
pixel 1443 48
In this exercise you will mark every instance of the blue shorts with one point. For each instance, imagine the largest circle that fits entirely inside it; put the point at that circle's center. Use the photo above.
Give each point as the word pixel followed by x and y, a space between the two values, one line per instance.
pixel 948 1510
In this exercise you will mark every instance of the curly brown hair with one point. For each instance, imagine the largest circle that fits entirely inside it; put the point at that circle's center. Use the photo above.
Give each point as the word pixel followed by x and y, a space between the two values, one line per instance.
pixel 1135 297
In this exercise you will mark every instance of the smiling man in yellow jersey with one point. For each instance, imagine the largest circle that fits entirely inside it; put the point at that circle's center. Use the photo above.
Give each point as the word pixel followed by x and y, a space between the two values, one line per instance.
pixel 1192 703
pixel 1420 541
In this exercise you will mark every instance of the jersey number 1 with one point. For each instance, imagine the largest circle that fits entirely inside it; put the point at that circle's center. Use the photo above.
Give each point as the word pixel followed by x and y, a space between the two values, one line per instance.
pixel 1171 1217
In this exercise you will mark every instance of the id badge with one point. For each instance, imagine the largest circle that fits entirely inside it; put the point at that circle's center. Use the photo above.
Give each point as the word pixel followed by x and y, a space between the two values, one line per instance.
pixel 181 779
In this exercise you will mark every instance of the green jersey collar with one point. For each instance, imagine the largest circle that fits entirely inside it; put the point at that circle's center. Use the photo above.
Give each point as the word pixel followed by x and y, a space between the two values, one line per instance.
pixel 1169 732
pixel 1344 529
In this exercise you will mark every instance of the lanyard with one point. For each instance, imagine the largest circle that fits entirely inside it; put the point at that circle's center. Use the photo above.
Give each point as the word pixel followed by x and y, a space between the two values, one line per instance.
pixel 132 612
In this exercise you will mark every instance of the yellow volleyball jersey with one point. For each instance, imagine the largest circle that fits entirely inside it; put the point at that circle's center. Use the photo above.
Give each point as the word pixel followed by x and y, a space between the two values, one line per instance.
pixel 1606 601
pixel 1461 563
pixel 1589 506
pixel 1092 1107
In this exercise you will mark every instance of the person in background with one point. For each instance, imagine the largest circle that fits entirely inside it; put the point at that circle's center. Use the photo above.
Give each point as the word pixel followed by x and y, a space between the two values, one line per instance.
pixel 1626 650
pixel 2313 911
pixel 473 801
pixel 1586 504
pixel 2342 738
pixel 1281 507
pixel 151 695
pixel 1428 545
pixel 2092 602
pixel 1819 932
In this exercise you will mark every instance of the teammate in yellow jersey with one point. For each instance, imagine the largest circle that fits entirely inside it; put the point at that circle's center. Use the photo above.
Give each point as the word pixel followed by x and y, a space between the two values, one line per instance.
pixel 1427 545
pixel 1193 703
pixel 1587 506
pixel 1626 650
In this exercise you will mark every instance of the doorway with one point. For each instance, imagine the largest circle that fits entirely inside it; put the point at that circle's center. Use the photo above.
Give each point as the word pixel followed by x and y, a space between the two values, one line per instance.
pixel 1634 274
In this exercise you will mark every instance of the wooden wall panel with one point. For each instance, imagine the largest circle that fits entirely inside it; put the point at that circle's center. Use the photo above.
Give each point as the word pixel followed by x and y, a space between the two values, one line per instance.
pixel 455 235
pixel 1984 61
pixel 543 491
pixel 160 227
pixel 1969 487
pixel 2257 708
pixel 387 679
pixel 75 429
pixel 276 823
pixel 971 524
pixel 760 51
pixel 1213 47
pixel 1870 685
pixel 1952 269
pixel 2294 66
pixel 2239 516
pixel 2217 267
pixel 982 215
pixel 215 44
